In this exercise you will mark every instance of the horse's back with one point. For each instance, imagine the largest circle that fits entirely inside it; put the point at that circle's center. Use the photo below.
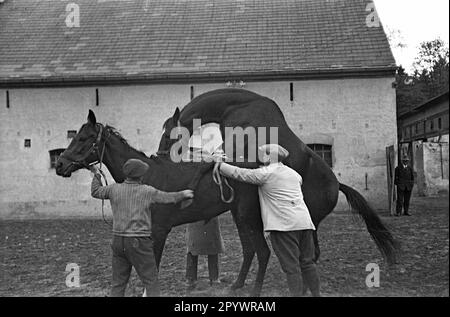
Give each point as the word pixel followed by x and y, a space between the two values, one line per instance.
pixel 213 105
pixel 242 108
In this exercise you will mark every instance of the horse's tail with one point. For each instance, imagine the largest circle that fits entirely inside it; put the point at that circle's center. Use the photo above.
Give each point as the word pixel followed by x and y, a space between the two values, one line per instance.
pixel 384 240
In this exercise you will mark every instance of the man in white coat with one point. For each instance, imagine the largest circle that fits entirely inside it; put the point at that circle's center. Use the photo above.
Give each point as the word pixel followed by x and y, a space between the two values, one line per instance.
pixel 284 214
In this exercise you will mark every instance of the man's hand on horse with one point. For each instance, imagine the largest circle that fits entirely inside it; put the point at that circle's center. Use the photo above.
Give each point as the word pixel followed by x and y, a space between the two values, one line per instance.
pixel 188 194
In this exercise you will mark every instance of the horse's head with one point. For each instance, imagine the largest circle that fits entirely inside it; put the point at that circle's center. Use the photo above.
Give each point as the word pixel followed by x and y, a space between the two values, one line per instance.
pixel 166 141
pixel 83 150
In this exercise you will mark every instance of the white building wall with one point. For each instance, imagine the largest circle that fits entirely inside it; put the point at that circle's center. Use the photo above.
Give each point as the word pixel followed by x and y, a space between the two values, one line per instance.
pixel 356 115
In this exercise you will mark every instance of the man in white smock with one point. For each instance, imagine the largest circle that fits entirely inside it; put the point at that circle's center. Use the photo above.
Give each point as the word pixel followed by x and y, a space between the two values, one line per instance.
pixel 284 214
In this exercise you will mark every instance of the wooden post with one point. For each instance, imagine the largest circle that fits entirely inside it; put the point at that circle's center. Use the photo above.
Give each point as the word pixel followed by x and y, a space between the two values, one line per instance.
pixel 390 165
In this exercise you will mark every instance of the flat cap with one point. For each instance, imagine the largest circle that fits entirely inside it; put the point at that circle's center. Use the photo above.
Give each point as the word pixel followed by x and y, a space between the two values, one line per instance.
pixel 135 168
pixel 275 151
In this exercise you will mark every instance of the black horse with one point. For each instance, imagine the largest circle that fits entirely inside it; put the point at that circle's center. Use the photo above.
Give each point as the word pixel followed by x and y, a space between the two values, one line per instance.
pixel 95 142
pixel 241 108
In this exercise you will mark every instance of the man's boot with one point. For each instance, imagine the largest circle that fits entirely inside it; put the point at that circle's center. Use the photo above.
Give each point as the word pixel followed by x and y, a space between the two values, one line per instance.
pixel 311 279
pixel 294 284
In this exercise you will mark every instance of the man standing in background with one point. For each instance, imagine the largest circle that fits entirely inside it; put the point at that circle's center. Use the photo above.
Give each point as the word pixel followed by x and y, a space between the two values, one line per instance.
pixel 203 239
pixel 404 180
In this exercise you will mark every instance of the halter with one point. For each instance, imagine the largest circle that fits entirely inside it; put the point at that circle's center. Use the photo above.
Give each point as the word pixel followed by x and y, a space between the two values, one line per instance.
pixel 95 148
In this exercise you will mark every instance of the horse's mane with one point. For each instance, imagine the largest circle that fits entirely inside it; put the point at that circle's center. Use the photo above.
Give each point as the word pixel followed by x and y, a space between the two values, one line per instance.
pixel 117 134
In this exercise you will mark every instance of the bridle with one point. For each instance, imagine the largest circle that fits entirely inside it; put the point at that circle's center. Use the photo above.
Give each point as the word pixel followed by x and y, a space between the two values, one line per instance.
pixel 94 149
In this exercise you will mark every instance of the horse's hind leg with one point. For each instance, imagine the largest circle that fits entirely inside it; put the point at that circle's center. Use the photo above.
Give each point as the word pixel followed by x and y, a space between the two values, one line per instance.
pixel 247 249
pixel 263 254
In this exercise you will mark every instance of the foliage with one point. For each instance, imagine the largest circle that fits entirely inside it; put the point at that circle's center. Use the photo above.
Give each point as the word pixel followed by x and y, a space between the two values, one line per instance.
pixel 430 77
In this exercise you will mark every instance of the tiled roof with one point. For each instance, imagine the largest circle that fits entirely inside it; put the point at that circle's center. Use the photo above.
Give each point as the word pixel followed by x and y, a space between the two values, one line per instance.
pixel 169 38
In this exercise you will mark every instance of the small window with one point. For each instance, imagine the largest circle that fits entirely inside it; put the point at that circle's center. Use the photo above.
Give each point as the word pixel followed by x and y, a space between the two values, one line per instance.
pixel 431 125
pixel 440 123
pixel 71 134
pixel 97 98
pixel 27 143
pixel 324 151
pixel 417 128
pixel 54 155
pixel 7 99
pixel 192 92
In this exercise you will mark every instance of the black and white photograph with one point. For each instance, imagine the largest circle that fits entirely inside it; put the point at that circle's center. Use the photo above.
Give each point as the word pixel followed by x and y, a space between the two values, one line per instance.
pixel 224 154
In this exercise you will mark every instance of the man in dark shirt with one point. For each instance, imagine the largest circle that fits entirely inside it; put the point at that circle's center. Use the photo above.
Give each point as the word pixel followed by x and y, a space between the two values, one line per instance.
pixel 132 243
pixel 404 180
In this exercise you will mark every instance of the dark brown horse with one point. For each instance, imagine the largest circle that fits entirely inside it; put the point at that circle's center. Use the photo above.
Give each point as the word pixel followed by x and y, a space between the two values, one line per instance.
pixel 95 142
pixel 242 108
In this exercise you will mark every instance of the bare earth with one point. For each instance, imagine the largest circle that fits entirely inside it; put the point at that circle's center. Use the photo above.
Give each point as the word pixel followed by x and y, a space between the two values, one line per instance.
pixel 34 255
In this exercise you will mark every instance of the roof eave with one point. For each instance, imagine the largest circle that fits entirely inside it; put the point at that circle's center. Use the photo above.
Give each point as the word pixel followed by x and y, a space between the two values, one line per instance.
pixel 200 77
pixel 425 105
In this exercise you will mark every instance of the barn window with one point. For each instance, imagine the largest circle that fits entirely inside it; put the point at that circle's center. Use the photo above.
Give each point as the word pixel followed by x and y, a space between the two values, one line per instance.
pixel 192 92
pixel 97 98
pixel 431 125
pixel 27 143
pixel 71 134
pixel 440 123
pixel 54 155
pixel 324 151
pixel 7 99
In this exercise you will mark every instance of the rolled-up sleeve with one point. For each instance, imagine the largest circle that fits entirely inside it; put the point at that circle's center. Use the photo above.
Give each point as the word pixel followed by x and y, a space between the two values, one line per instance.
pixel 98 190
pixel 256 176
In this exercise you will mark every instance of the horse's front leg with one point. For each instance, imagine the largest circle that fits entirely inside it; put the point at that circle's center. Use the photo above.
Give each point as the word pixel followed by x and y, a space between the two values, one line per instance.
pixel 159 236
pixel 248 217
pixel 263 254
pixel 247 249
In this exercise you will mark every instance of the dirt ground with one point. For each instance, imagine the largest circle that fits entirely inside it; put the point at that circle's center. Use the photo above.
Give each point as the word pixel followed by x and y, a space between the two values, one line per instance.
pixel 34 255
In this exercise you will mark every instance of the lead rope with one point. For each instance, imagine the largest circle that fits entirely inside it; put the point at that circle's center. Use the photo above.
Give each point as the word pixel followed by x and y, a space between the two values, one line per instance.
pixel 106 183
pixel 217 178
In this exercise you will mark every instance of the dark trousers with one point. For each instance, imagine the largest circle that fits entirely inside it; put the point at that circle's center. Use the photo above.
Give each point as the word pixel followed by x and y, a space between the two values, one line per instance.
pixel 295 251
pixel 192 264
pixel 137 252
pixel 403 198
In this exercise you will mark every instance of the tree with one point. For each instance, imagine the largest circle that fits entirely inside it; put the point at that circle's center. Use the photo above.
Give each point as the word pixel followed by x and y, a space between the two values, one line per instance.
pixel 429 79
pixel 432 67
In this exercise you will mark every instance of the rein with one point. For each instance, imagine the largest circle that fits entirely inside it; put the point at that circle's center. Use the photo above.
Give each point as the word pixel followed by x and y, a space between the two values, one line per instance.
pixel 220 180
pixel 82 162
pixel 100 157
